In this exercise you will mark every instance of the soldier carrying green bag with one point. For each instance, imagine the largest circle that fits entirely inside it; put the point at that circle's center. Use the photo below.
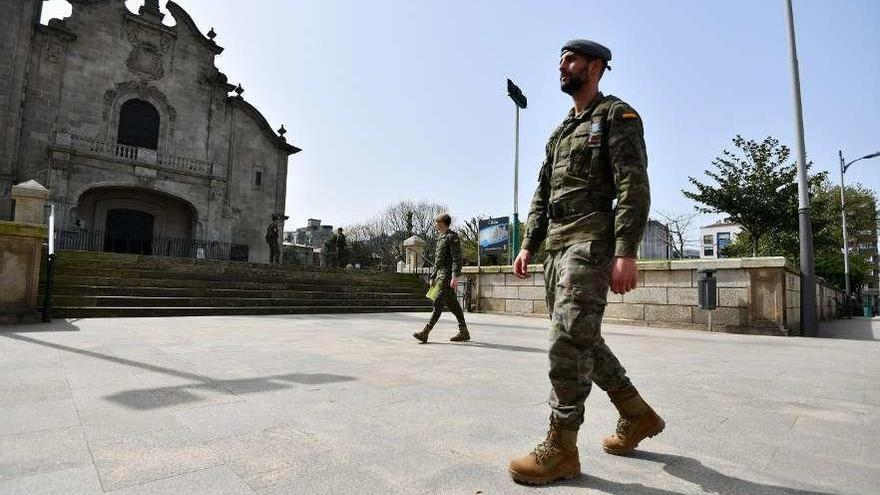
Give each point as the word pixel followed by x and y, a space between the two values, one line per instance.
pixel 447 269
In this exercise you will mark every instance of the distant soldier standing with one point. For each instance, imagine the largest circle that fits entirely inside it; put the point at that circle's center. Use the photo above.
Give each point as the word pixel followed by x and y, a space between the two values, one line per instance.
pixel 272 239
pixel 595 156
pixel 330 257
pixel 341 245
pixel 447 269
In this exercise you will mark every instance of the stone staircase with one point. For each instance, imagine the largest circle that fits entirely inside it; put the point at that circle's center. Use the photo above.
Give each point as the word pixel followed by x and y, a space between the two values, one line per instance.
pixel 88 284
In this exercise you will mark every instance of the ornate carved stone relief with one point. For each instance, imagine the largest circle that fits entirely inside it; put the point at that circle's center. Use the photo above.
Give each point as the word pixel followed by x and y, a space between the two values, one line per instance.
pixel 149 45
pixel 54 50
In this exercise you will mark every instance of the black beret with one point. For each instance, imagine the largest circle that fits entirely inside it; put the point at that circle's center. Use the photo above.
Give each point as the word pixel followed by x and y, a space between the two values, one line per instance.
pixel 589 49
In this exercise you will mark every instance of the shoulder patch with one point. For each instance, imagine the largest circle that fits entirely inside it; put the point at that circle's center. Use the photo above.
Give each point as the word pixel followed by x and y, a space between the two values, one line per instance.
pixel 629 115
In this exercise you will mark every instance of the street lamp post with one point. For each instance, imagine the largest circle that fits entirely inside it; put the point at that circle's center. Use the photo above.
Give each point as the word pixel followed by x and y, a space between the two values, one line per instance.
pixel 519 99
pixel 843 169
pixel 808 275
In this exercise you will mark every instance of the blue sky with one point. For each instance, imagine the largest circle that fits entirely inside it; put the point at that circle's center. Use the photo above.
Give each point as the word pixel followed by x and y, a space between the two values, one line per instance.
pixel 395 99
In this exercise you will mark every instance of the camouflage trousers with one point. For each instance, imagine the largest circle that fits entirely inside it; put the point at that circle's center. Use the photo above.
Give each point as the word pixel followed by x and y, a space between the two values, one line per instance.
pixel 577 280
pixel 448 299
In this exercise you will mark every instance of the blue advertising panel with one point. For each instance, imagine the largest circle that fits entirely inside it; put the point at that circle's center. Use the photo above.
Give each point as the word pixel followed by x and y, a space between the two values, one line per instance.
pixel 494 235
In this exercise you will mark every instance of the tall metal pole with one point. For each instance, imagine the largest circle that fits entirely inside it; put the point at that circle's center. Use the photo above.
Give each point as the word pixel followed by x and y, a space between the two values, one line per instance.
pixel 50 267
pixel 514 245
pixel 808 277
pixel 845 238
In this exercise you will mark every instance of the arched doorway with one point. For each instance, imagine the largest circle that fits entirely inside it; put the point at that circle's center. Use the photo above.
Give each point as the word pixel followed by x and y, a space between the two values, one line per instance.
pixel 135 220
pixel 128 231
pixel 138 125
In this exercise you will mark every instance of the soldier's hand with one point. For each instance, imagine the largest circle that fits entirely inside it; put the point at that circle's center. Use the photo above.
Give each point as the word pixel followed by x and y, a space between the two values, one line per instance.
pixel 624 275
pixel 521 264
pixel 453 283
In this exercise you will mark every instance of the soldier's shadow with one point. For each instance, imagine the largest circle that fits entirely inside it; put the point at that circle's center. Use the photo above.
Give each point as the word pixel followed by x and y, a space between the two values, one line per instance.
pixel 497 347
pixel 689 470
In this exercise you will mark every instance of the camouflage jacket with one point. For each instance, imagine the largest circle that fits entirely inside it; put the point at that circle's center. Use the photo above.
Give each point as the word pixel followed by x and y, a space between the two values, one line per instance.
pixel 447 255
pixel 272 233
pixel 592 159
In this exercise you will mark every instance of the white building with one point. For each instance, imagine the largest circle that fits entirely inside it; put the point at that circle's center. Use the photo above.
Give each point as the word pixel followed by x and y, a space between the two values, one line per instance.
pixel 715 237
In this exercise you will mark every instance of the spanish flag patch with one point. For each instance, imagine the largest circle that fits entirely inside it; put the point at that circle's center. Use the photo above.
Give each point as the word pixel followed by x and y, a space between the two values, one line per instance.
pixel 629 115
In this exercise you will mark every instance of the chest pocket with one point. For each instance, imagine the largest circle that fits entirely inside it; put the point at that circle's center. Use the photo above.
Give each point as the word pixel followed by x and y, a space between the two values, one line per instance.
pixel 581 151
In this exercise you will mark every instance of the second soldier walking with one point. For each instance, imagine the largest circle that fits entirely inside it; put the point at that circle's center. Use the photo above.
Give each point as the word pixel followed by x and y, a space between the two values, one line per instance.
pixel 447 269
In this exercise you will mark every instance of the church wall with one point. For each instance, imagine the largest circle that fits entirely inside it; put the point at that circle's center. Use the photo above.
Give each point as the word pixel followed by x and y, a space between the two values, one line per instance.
pixel 84 68
pixel 16 30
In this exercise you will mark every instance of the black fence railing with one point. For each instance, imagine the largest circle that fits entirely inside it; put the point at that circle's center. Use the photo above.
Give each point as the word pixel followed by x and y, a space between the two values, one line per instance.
pixel 100 241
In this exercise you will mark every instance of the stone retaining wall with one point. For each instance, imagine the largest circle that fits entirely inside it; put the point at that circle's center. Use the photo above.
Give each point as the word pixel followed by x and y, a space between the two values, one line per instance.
pixel 755 295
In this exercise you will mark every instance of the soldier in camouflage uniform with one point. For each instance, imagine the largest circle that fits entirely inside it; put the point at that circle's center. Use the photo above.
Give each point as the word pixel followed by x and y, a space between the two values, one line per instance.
pixel 447 269
pixel 272 239
pixel 596 156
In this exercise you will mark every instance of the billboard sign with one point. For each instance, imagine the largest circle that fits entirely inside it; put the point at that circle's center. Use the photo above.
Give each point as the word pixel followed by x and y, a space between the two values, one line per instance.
pixel 494 235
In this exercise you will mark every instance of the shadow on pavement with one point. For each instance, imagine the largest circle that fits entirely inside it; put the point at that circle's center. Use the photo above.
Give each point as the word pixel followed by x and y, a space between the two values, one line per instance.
pixel 499 347
pixel 851 329
pixel 534 323
pixel 181 394
pixel 688 470
pixel 693 471
pixel 56 325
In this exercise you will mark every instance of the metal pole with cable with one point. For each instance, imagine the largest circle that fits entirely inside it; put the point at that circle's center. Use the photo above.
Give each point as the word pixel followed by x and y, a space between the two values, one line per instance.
pixel 520 100
pixel 843 169
pixel 808 276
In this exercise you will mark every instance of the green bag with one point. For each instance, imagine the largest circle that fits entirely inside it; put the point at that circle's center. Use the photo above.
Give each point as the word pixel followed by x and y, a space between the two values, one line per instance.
pixel 433 292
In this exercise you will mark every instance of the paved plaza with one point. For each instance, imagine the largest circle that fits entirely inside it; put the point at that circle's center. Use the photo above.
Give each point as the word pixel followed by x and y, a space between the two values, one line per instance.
pixel 353 405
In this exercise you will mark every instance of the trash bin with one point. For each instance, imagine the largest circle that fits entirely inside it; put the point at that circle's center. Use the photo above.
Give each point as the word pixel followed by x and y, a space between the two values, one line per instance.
pixel 707 291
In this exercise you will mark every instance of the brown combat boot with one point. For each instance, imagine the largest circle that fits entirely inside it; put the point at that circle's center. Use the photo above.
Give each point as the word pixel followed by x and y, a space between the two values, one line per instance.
pixel 556 458
pixel 637 422
pixel 462 336
pixel 423 335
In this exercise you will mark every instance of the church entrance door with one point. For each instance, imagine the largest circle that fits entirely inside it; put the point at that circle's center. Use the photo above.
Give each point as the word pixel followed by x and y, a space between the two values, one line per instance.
pixel 129 231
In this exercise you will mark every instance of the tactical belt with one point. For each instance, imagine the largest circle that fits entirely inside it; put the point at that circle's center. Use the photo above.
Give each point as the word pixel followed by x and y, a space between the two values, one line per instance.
pixel 566 209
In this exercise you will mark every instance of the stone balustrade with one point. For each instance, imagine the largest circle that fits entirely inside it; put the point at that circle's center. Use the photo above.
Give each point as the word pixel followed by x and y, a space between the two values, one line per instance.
pixel 755 295
pixel 140 156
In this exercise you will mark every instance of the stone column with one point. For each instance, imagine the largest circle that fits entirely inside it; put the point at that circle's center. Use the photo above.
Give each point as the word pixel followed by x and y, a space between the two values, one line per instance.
pixel 30 202
pixel 414 248
pixel 21 251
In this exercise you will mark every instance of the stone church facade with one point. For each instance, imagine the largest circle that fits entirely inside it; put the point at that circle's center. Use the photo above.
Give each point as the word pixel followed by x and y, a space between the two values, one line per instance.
pixel 134 130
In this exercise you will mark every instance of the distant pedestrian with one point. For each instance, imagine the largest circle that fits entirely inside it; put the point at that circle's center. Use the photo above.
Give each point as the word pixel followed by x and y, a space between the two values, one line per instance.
pixel 447 269
pixel 341 248
pixel 272 239
pixel 330 245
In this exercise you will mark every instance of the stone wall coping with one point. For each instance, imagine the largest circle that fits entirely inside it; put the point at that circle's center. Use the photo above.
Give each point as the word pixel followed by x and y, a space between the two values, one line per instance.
pixel 30 189
pixel 20 229
pixel 666 265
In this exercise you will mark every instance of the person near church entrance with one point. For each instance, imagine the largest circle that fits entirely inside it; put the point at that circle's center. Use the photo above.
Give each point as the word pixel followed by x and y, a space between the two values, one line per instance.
pixel 272 239
pixel 341 245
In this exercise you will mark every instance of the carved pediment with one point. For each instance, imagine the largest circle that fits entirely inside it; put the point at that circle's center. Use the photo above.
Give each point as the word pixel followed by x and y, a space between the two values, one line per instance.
pixel 150 43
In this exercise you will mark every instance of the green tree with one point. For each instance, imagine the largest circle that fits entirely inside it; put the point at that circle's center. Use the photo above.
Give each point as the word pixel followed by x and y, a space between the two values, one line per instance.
pixel 862 221
pixel 754 186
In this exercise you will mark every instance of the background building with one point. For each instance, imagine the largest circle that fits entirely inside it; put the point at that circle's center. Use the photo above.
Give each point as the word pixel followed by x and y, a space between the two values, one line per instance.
pixel 313 234
pixel 715 237
pixel 133 129
pixel 656 243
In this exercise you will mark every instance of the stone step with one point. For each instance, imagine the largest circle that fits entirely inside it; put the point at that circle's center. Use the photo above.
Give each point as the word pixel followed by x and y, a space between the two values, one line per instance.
pixel 307 292
pixel 109 284
pixel 202 302
pixel 137 312
pixel 329 278
pixel 74 259
pixel 104 281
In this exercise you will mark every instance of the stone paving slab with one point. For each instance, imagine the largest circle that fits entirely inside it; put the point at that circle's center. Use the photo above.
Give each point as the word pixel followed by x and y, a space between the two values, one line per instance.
pixel 345 404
